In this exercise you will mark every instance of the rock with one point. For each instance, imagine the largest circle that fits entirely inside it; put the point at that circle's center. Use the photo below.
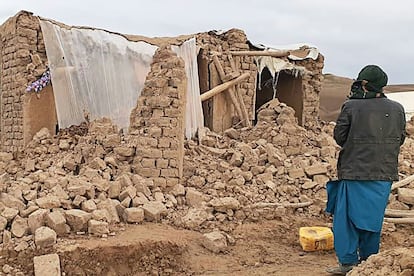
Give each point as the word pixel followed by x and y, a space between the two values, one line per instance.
pixel 109 206
pixel 45 237
pixel 97 164
pixel 129 191
pixel 47 265
pixel 133 215
pixel 316 169
pixel 101 215
pixel 37 219
pixel 139 200
pixel 3 223
pixel 6 157
pixel 296 173
pixel 12 202
pixel 29 210
pixel 214 241
pixel 7 237
pixel 114 189
pixel 194 198
pixel 124 151
pixel 232 133
pixel 77 219
pixel 78 200
pixel 57 222
pixel 225 203
pixel 48 202
pixel 9 213
pixel 178 190
pixel 309 185
pixel 96 227
pixel 159 196
pixel 406 195
pixel 89 206
pixel 19 227
pixel 154 210
pixel 194 218
pixel 42 134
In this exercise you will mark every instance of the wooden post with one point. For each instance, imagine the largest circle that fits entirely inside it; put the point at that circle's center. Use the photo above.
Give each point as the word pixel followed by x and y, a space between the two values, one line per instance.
pixel 244 120
pixel 399 213
pixel 261 53
pixel 243 106
pixel 222 87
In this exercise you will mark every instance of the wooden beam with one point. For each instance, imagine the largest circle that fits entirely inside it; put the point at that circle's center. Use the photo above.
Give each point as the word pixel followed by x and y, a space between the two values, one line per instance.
pixel 399 213
pixel 403 182
pixel 409 220
pixel 242 104
pixel 222 87
pixel 261 53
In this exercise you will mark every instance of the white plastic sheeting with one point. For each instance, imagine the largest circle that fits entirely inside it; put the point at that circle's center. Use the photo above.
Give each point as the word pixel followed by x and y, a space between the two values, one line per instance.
pixel 194 113
pixel 406 99
pixel 95 72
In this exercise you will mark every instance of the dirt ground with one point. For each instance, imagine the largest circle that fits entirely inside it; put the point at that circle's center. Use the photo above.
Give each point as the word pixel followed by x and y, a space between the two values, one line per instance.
pixel 269 247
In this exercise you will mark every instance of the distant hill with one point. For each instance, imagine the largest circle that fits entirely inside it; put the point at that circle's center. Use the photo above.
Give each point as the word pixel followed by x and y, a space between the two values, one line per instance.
pixel 335 89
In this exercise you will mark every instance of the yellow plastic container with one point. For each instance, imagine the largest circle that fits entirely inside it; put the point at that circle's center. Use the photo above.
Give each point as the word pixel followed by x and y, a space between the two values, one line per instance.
pixel 316 238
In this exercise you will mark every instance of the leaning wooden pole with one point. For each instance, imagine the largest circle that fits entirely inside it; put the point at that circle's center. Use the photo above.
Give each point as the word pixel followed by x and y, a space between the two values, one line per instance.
pixel 222 87
pixel 244 120
pixel 242 105
pixel 403 182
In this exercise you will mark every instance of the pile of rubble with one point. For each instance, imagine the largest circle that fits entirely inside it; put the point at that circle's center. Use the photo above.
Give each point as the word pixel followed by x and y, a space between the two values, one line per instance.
pixel 398 261
pixel 81 181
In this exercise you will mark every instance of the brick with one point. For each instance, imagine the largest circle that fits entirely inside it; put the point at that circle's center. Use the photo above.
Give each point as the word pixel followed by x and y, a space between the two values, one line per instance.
pixel 47 265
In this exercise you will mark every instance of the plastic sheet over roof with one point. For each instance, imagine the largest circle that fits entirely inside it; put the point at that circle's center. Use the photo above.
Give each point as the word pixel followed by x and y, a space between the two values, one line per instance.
pixel 95 72
pixel 101 74
pixel 275 65
pixel 194 112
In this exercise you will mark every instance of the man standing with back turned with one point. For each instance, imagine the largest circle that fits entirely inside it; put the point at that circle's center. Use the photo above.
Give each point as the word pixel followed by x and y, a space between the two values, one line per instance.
pixel 370 129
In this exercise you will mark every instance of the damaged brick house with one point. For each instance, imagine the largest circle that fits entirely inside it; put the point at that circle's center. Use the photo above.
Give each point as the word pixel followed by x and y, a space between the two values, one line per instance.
pixel 149 87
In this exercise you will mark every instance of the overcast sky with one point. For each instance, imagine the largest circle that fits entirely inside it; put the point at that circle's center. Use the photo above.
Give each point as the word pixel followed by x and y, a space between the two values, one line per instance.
pixel 350 34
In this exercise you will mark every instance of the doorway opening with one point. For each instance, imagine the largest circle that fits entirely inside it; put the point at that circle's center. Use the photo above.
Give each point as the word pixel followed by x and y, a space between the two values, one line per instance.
pixel 285 86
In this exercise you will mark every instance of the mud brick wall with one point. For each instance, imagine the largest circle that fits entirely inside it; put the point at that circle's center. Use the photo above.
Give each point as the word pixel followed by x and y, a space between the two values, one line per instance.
pixel 22 59
pixel 157 123
pixel 311 87
pixel 221 45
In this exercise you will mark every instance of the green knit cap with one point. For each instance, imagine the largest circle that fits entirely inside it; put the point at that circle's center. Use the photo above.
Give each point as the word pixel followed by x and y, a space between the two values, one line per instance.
pixel 375 77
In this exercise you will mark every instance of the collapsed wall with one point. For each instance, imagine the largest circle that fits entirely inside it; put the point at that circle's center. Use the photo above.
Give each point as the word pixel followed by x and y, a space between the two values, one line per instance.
pixel 23 59
pixel 157 122
pixel 219 112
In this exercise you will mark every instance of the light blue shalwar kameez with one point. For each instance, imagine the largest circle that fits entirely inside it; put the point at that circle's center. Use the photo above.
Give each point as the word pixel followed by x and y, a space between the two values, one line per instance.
pixel 358 212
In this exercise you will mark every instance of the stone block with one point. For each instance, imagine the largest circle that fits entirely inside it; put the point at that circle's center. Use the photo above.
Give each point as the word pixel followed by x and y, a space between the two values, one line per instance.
pixel 214 241
pixel 88 206
pixel 316 169
pixel 193 197
pixel 19 227
pixel 129 191
pixel 77 219
pixel 44 237
pixel 47 265
pixel 48 202
pixel 114 189
pixel 133 215
pixel 57 222
pixel 406 195
pixel 9 213
pixel 96 227
pixel 154 210
pixel 296 173
pixel 37 219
